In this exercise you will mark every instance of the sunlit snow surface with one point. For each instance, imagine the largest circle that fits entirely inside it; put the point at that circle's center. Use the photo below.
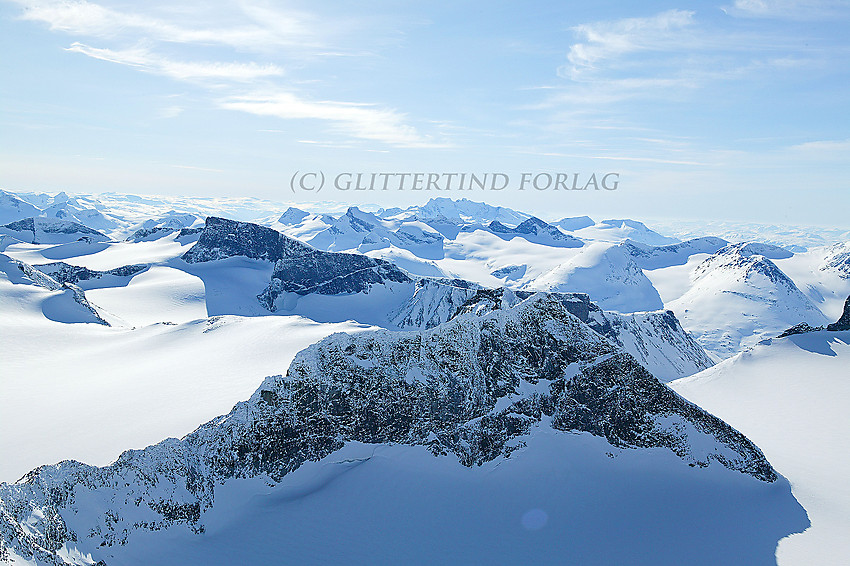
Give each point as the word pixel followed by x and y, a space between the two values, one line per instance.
pixel 565 499
pixel 791 397
pixel 88 392
pixel 189 340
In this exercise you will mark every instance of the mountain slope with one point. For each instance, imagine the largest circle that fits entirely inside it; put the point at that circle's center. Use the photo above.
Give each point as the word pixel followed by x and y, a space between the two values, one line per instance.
pixel 658 257
pixel 532 229
pixel 50 231
pixel 476 387
pixel 737 298
pixel 60 301
pixel 334 287
pixel 792 397
pixel 608 274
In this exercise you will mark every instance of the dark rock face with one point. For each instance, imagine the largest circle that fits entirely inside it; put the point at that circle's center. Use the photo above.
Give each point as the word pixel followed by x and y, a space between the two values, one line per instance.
pixel 299 268
pixel 427 302
pixel 472 387
pixel 534 227
pixel 223 238
pixel 656 339
pixel 143 234
pixel 53 226
pixel 331 273
pixel 66 273
pixel 801 328
pixel 843 323
pixel 577 304
pixel 25 225
pixel 189 232
pixel 41 278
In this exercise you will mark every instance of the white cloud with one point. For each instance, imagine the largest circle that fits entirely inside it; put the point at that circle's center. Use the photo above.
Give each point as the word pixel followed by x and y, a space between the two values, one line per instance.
pixel 607 40
pixel 363 121
pixel 147 40
pixel 832 148
pixel 180 70
pixel 170 112
pixel 666 56
pixel 264 29
pixel 622 158
pixel 789 9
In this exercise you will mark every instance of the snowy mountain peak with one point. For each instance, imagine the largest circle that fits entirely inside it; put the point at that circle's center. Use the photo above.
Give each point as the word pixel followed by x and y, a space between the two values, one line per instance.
pixel 738 298
pixel 618 230
pixel 744 260
pixel 838 259
pixel 574 223
pixel 769 251
pixel 609 274
pixel 14 208
pixel 39 230
pixel 292 216
pixel 463 211
pixel 656 257
pixel 478 387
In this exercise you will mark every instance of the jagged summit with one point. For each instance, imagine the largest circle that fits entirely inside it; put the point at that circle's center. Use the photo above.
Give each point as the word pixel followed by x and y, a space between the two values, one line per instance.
pixel 476 387
pixel 461 211
pixel 534 230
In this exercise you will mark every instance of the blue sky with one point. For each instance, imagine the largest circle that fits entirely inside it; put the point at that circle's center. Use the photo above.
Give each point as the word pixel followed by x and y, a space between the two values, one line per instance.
pixel 735 110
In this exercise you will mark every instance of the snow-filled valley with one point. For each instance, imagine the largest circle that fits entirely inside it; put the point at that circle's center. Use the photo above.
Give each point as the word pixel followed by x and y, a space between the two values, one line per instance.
pixel 453 382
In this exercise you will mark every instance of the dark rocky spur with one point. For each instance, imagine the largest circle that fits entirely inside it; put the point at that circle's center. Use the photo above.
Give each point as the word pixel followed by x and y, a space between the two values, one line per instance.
pixel 473 387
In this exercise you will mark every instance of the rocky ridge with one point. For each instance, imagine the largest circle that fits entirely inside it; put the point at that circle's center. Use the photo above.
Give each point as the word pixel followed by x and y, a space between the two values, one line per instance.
pixel 472 387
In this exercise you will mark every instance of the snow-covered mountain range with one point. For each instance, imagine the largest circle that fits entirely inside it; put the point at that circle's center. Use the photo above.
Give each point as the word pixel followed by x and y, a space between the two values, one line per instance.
pixel 483 336
pixel 475 388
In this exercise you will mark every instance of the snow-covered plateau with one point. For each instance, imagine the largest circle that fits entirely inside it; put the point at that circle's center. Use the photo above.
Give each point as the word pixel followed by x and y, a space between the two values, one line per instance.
pixel 217 381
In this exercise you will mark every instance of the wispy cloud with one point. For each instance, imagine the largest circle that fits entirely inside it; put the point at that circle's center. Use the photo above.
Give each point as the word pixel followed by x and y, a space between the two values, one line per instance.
pixel 170 112
pixel 147 38
pixel 789 9
pixel 664 56
pixel 364 121
pixel 260 29
pixel 831 148
pixel 603 41
pixel 622 158
pixel 145 60
pixel 193 168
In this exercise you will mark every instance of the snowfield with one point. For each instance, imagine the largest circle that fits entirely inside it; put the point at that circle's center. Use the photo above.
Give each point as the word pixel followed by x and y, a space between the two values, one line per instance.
pixel 127 320
pixel 791 396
